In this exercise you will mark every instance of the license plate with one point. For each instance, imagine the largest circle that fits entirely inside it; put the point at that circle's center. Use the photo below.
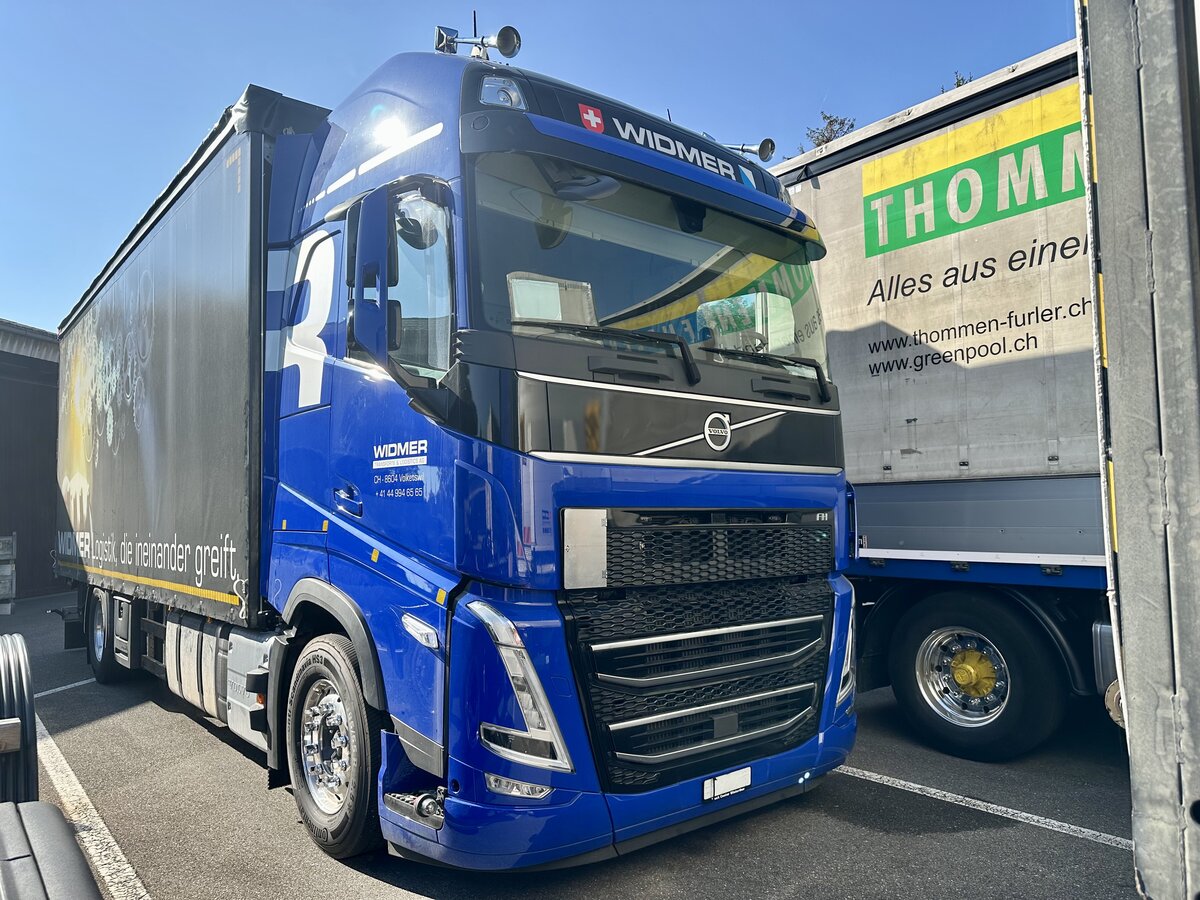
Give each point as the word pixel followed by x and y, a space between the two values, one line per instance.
pixel 729 783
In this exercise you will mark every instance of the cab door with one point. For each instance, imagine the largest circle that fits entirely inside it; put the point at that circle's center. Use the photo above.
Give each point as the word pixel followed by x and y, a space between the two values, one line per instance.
pixel 391 541
pixel 303 358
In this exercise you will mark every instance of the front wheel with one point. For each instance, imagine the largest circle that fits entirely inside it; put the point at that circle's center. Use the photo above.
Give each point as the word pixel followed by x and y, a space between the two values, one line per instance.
pixel 974 677
pixel 334 749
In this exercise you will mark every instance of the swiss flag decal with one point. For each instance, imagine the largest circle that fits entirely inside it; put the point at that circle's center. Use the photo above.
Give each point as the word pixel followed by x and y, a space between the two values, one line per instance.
pixel 591 118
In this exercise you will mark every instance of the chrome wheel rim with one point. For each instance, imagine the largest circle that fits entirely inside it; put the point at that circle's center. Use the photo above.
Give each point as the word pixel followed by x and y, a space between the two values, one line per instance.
pixel 962 677
pixel 97 629
pixel 325 750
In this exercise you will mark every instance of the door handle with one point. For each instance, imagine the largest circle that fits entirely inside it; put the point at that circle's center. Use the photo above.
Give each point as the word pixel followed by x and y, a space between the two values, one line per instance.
pixel 347 500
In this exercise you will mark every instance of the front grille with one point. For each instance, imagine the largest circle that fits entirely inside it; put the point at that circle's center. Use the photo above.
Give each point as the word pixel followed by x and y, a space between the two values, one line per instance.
pixel 700 548
pixel 724 651
pixel 707 645
pixel 611 704
pixel 688 732
pixel 680 680
pixel 612 615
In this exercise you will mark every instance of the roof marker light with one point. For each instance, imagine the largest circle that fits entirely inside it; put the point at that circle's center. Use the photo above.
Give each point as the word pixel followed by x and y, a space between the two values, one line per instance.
pixel 497 91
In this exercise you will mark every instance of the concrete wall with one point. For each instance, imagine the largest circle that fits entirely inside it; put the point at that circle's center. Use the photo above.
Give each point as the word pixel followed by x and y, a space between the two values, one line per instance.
pixel 28 447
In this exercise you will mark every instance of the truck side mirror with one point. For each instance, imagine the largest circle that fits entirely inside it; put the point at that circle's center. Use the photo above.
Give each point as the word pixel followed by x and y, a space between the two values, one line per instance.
pixel 372 274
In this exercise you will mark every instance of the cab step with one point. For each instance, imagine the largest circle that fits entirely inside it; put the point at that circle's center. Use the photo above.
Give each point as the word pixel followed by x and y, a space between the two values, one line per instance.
pixel 425 807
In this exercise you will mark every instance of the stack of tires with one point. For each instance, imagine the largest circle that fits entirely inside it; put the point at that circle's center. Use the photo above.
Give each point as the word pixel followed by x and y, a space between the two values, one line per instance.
pixel 39 858
pixel 18 731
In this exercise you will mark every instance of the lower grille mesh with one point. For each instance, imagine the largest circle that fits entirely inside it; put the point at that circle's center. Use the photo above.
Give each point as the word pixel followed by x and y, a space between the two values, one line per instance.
pixel 722 733
pixel 680 736
pixel 602 615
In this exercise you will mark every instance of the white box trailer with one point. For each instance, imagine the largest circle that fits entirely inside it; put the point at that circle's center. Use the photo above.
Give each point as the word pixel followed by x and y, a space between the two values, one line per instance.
pixel 957 302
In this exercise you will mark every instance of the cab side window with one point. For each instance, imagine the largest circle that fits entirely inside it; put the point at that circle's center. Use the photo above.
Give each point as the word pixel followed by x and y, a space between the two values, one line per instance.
pixel 421 340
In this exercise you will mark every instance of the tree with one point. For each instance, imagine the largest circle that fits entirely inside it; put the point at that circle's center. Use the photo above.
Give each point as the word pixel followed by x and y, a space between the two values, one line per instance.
pixel 831 128
pixel 960 79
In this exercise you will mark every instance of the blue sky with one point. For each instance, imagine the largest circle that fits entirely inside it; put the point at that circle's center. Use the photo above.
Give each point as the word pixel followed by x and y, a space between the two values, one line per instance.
pixel 103 102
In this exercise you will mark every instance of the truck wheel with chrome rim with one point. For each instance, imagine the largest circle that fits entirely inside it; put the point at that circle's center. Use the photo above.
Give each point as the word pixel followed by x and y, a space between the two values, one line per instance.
pixel 333 748
pixel 99 623
pixel 974 677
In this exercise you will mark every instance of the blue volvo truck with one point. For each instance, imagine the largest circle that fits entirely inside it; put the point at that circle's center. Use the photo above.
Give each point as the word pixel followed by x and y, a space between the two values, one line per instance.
pixel 468 449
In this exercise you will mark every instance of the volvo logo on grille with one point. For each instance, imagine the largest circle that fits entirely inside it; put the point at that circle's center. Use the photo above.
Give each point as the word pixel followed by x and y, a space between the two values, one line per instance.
pixel 717 433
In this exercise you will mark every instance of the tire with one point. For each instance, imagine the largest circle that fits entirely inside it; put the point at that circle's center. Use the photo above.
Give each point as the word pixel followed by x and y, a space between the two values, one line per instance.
pixel 943 653
pixel 18 769
pixel 342 819
pixel 98 634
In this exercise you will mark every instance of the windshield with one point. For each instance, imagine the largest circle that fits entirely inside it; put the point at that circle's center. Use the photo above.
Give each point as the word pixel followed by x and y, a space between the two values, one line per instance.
pixel 564 244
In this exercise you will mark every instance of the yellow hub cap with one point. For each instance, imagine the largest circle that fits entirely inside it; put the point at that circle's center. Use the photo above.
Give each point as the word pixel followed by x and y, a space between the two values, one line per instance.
pixel 962 676
pixel 973 672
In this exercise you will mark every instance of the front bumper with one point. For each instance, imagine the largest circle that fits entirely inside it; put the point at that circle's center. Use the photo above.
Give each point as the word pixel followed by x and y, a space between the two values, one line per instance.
pixel 589 827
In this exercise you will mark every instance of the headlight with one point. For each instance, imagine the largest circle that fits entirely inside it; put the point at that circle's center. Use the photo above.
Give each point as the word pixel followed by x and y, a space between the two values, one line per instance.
pixel 541 743
pixel 846 686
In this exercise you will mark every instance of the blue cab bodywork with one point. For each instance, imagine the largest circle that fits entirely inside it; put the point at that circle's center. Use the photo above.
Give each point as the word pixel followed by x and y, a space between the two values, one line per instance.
pixel 479 520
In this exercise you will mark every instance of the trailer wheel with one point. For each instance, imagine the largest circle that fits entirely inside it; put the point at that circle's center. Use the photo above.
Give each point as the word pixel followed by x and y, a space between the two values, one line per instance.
pixel 18 766
pixel 333 746
pixel 99 625
pixel 974 678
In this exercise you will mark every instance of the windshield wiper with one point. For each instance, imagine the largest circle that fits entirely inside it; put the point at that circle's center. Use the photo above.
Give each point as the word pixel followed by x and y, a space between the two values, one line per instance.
pixel 782 362
pixel 654 337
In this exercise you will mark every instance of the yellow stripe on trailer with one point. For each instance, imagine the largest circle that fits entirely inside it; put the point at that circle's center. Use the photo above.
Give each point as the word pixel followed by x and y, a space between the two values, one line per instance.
pixel 205 593
pixel 1019 123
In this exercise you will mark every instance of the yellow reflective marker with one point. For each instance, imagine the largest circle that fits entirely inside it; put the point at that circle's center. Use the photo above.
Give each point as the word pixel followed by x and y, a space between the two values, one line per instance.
pixel 285 524
pixel 325 525
pixel 374 556
pixel 441 597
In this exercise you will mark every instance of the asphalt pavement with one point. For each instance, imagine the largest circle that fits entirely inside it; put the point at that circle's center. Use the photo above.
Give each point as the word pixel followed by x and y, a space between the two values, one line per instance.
pixel 170 804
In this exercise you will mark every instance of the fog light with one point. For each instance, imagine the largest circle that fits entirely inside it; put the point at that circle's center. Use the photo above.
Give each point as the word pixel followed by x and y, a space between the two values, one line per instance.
pixel 509 788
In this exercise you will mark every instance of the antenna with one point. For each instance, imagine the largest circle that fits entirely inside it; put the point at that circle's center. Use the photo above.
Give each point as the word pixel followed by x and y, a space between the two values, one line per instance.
pixel 474 23
pixel 669 119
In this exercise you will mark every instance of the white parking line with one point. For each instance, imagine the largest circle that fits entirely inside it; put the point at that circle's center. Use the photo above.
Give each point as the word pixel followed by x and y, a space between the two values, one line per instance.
pixel 93 835
pixel 65 687
pixel 996 810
